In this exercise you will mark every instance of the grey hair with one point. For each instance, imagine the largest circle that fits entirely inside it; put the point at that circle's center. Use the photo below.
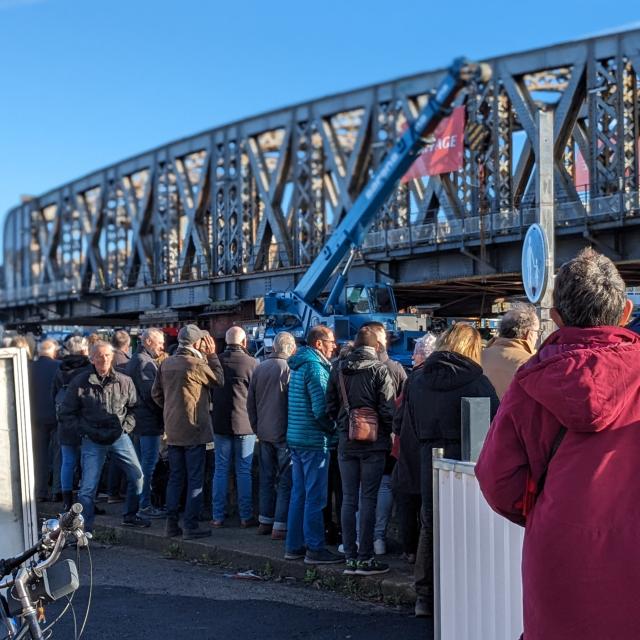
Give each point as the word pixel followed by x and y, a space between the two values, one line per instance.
pixel 284 343
pixel 589 291
pixel 518 321
pixel 425 345
pixel 98 345
pixel 145 334
pixel 48 346
pixel 121 339
pixel 235 335
pixel 77 346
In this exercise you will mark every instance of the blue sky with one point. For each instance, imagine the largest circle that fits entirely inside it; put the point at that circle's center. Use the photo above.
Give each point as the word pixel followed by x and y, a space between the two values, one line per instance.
pixel 86 83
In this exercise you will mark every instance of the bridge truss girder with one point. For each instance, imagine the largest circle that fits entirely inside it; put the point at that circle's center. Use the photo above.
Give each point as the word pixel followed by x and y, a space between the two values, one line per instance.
pixel 255 200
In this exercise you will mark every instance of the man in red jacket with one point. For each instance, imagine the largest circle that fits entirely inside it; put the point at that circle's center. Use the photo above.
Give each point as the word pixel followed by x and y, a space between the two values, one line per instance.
pixel 581 554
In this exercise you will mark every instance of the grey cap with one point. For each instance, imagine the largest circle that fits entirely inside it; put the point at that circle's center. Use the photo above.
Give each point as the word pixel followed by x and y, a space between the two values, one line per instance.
pixel 191 333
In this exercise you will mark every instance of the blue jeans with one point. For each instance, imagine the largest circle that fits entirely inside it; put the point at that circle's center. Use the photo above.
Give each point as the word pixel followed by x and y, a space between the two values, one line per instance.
pixel 275 484
pixel 241 448
pixel 360 468
pixel 384 507
pixel 147 448
pixel 93 457
pixel 70 459
pixel 185 463
pixel 305 525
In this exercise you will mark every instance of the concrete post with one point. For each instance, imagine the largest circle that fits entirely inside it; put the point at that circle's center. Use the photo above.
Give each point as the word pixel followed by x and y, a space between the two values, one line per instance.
pixel 476 419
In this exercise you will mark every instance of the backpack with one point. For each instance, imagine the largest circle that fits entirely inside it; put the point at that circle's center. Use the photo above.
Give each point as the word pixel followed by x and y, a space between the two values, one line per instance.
pixel 59 399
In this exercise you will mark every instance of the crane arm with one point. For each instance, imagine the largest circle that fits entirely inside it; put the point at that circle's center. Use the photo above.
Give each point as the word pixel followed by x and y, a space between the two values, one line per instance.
pixel 353 227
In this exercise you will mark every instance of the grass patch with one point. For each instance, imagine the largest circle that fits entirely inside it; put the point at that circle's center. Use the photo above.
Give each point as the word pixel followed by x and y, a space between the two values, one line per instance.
pixel 311 576
pixel 175 552
pixel 109 537
pixel 267 571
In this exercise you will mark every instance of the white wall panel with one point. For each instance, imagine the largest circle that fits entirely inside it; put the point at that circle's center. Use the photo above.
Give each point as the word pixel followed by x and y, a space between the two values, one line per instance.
pixel 478 558
pixel 18 521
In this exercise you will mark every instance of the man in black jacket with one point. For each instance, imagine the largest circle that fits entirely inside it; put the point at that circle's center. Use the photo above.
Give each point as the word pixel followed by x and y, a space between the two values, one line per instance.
pixel 267 406
pixel 46 449
pixel 142 369
pixel 232 433
pixel 99 406
pixel 361 380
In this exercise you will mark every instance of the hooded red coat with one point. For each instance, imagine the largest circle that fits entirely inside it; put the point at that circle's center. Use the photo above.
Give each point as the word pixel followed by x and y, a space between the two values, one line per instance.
pixel 581 553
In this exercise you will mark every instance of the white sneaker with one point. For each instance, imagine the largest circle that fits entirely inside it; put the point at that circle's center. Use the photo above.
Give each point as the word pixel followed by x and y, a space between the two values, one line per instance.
pixel 341 548
pixel 379 547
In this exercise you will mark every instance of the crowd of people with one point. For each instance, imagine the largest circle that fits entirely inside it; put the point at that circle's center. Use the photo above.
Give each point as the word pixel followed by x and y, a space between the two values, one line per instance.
pixel 342 436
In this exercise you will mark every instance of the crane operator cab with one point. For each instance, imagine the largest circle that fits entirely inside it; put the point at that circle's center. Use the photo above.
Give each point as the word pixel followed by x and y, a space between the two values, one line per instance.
pixel 362 303
pixel 369 298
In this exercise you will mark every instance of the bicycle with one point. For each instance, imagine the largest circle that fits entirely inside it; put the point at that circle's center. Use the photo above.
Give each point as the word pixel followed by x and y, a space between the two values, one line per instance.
pixel 29 587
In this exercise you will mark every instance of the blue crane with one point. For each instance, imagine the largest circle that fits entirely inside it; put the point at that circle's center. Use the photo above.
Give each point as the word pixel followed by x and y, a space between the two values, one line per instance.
pixel 298 310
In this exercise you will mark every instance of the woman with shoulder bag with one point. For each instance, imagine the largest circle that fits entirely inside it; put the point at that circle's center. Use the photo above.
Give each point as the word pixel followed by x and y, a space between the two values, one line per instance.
pixel 360 397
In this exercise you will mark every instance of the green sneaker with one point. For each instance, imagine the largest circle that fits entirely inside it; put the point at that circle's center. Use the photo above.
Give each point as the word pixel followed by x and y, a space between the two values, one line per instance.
pixel 371 567
pixel 352 567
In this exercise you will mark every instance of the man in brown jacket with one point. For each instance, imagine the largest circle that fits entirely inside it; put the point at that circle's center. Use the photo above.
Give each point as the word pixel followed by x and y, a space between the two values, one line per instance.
pixel 181 388
pixel 514 345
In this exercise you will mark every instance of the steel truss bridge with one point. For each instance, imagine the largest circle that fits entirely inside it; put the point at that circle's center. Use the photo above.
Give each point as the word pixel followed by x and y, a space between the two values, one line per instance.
pixel 207 224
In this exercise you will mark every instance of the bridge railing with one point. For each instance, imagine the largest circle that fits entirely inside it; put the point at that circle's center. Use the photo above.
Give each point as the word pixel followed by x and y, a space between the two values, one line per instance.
pixel 447 230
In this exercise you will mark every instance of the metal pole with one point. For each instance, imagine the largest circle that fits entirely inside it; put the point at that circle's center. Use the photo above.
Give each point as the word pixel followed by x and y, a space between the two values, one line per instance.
pixel 436 454
pixel 545 214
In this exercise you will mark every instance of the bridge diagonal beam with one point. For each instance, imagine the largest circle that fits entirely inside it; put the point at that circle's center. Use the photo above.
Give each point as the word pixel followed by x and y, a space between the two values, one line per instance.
pixel 48 241
pixel 192 245
pixel 92 221
pixel 139 213
pixel 270 189
pixel 345 174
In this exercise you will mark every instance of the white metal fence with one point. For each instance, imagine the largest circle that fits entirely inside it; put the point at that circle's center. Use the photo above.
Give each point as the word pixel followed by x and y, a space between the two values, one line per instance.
pixel 477 558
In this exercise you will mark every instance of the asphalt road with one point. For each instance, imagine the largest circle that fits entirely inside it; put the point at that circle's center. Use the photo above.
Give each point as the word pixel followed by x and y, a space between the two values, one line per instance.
pixel 139 594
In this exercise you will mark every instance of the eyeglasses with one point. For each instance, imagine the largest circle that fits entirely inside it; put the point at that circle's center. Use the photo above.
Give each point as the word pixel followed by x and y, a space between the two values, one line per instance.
pixel 329 341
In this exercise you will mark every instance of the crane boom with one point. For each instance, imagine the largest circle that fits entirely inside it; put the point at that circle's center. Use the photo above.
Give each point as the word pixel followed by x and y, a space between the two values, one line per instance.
pixel 352 229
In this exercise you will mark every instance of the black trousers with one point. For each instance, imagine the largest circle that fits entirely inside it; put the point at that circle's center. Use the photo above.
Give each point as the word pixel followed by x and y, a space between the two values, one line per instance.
pixel 332 512
pixel 46 453
pixel 408 506
pixel 423 570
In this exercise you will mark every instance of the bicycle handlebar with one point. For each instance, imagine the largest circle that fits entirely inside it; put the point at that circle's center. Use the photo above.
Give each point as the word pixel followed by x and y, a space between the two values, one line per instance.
pixel 8 565
pixel 68 520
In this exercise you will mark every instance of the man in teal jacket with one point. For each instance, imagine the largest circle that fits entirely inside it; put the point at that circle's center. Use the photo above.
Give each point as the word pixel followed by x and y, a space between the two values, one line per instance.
pixel 308 432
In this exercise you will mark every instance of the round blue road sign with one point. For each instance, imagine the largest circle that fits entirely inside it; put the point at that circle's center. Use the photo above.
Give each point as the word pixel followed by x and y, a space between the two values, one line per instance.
pixel 535 250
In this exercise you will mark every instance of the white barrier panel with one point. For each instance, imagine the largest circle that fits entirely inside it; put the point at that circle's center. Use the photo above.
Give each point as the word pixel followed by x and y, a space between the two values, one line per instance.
pixel 18 520
pixel 477 558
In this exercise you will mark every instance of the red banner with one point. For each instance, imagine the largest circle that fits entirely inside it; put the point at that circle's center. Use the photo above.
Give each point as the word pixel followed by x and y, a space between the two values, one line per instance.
pixel 580 172
pixel 446 154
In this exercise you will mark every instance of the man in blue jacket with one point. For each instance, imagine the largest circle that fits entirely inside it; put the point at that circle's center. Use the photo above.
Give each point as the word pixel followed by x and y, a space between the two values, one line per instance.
pixel 308 432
